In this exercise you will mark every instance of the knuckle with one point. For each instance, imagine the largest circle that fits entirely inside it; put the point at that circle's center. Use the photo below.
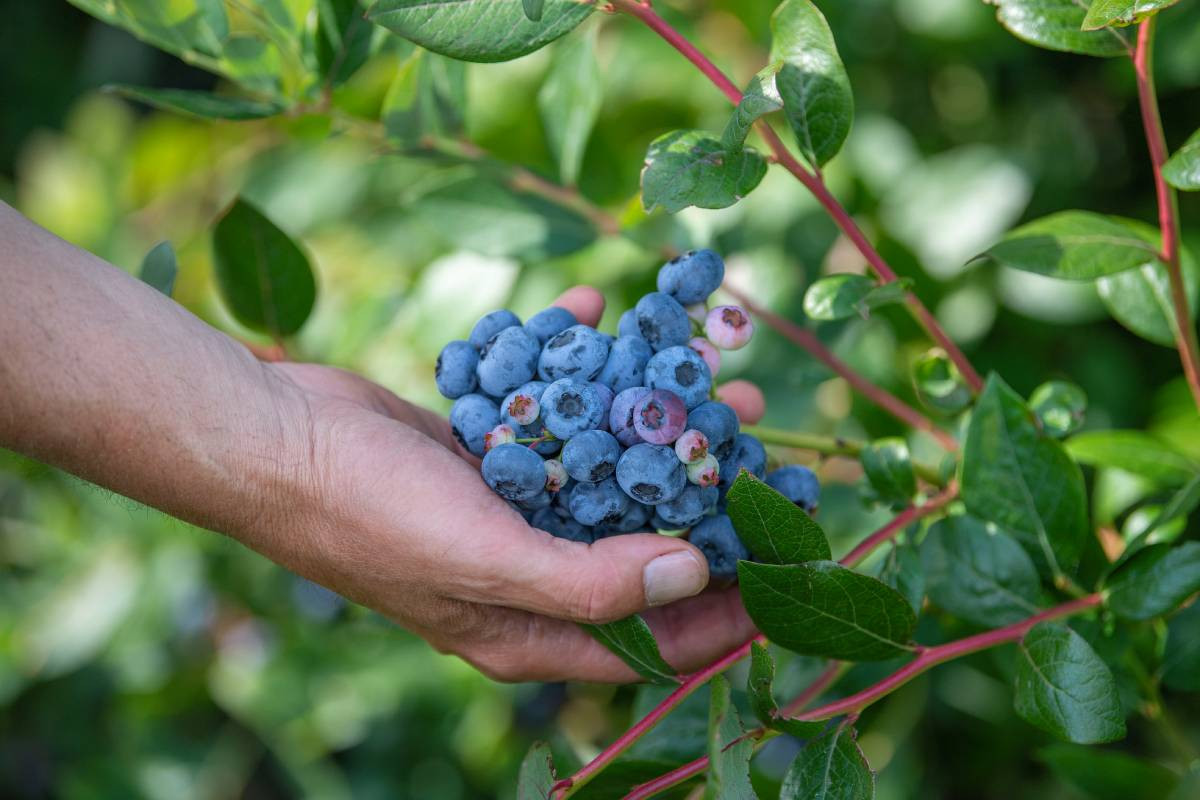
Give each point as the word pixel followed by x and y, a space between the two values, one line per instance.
pixel 598 598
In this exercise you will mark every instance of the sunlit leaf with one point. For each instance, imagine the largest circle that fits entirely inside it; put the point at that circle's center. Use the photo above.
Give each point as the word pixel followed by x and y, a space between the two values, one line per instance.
pixel 632 641
pixel 570 100
pixel 1058 25
pixel 692 168
pixel 774 528
pixel 1182 169
pixel 1073 245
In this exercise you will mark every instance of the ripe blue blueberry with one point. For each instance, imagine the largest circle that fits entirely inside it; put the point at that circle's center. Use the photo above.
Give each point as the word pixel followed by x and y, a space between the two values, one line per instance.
pixel 455 370
pixel 620 417
pixel 538 502
pixel 598 503
pixel 627 325
pixel 508 360
pixel 798 484
pixel 626 364
pixel 635 520
pixel 606 400
pixel 591 456
pixel 718 422
pixel 571 407
pixel 680 370
pixel 651 474
pixel 721 546
pixel 689 508
pixel 692 277
pixel 514 472
pixel 662 322
pixel 471 417
pixel 490 325
pixel 550 522
pixel 749 454
pixel 579 352
pixel 550 322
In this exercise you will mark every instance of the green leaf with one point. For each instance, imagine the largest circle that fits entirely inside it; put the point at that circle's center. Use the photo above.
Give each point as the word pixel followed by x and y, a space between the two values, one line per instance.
pixel 532 9
pixel 1119 13
pixel 1108 774
pixel 1140 298
pixel 762 700
pixel 536 777
pixel 1064 688
pixel 570 100
pixel 632 641
pixel 760 98
pixel 264 277
pixel 729 763
pixel 426 98
pixel 1182 170
pixel 1181 658
pixel 1057 25
pixel 1060 405
pixel 1136 452
pixel 978 574
pixel 772 527
pixel 888 467
pixel 823 609
pixel 691 168
pixel 838 296
pixel 902 570
pixel 343 39
pixel 204 105
pixel 679 738
pixel 831 767
pixel 1155 581
pixel 1073 245
pixel 159 268
pixel 939 384
pixel 1016 476
pixel 478 30
pixel 1166 524
pixel 817 99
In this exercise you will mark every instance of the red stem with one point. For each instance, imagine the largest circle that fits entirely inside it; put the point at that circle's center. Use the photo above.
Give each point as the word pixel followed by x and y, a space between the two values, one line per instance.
pixel 807 340
pixel 899 523
pixel 1168 211
pixel 815 689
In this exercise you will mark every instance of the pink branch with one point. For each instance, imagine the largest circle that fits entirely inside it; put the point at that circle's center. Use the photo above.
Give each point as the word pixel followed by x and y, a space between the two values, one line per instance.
pixel 899 523
pixel 815 689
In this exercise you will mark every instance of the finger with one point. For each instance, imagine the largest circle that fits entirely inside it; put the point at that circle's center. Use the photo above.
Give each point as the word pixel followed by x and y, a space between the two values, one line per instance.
pixel 586 303
pixel 745 398
pixel 695 632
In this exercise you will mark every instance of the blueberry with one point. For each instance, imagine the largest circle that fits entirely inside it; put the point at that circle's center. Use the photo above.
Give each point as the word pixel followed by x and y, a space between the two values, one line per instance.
pixel 591 456
pixel 705 349
pixel 471 417
pixel 626 364
pixel 455 370
pixel 692 446
pixel 720 544
pixel 662 322
pixel 689 508
pixel 535 431
pixel 728 327
pixel 516 407
pixel 660 417
pixel 501 434
pixel 628 324
pixel 550 522
pixel 748 454
pixel 578 352
pixel 706 472
pixel 514 472
pixel 636 519
pixel 798 484
pixel 556 476
pixel 606 400
pixel 549 323
pixel 508 360
pixel 651 474
pixel 598 503
pixel 718 422
pixel 490 325
pixel 571 407
pixel 620 418
pixel 540 501
pixel 680 370
pixel 692 277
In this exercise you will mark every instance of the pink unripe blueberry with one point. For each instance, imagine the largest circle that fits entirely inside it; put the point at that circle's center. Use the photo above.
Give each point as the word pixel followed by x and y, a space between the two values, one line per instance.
pixel 728 327
pixel 556 475
pixel 501 434
pixel 704 473
pixel 711 355
pixel 691 447
pixel 660 417
pixel 697 312
pixel 523 408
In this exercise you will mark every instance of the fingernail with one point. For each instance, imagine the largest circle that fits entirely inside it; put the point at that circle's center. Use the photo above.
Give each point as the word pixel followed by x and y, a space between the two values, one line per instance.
pixel 673 577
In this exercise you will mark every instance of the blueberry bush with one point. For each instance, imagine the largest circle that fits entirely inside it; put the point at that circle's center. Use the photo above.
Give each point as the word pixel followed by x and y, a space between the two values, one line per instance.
pixel 993 522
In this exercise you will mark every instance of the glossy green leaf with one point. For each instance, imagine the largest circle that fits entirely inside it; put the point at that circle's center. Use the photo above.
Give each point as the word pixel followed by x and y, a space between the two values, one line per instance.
pixel 902 570
pixel 728 751
pixel 478 30
pixel 888 467
pixel 760 98
pixel 939 384
pixel 831 767
pixel 1058 25
pixel 570 100
pixel 762 700
pixel 774 528
pixel 1152 524
pixel 264 277
pixel 159 268
pixel 817 99
pixel 1073 245
pixel 1108 774
pixel 343 39
pixel 1060 405
pixel 1016 476
pixel 204 105
pixel 536 777
pixel 1182 169
pixel 978 574
pixel 823 609
pixel 1181 657
pixel 1136 452
pixel 692 168
pixel 1119 13
pixel 1064 688
pixel 426 98
pixel 632 641
pixel 1155 581
pixel 1140 298
pixel 837 296
pixel 532 9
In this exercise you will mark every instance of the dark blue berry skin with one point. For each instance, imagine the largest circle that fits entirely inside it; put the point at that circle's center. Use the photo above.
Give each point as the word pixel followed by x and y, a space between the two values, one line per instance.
pixel 606 400
pixel 635 520
pixel 662 321
pixel 591 456
pixel 472 416
pixel 798 484
pixel 651 474
pixel 620 416
pixel 550 522
pixel 550 322
pixel 579 352
pixel 508 360
pixel 626 365
pixel 627 325
pixel 538 502
pixel 570 407
pixel 719 423
pixel 748 453
pixel 680 370
pixel 689 508
pixel 514 472
pixel 455 370
pixel 533 388
pixel 490 325
pixel 598 503
pixel 720 544
pixel 692 277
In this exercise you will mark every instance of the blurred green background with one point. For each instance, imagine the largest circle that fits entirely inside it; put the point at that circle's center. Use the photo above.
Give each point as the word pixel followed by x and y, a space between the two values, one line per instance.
pixel 140 657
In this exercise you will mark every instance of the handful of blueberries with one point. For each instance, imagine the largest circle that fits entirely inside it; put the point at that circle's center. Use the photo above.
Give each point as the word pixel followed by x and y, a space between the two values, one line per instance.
pixel 589 435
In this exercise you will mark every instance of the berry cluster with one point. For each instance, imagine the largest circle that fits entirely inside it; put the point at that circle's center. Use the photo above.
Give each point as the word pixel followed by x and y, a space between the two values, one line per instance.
pixel 589 435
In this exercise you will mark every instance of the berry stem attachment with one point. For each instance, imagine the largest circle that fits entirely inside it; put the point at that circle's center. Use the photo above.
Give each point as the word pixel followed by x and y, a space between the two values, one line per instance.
pixel 830 446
